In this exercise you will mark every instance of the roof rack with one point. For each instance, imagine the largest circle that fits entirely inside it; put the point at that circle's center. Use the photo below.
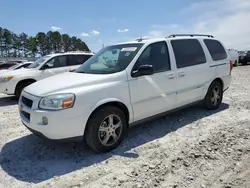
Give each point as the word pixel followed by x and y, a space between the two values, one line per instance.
pixel 141 39
pixel 191 35
pixel 84 51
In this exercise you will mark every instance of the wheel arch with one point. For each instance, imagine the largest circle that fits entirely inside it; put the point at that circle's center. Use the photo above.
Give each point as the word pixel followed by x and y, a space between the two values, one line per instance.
pixel 24 80
pixel 218 80
pixel 113 102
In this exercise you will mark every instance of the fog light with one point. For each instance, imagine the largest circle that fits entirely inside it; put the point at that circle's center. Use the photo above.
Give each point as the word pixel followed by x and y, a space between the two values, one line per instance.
pixel 45 120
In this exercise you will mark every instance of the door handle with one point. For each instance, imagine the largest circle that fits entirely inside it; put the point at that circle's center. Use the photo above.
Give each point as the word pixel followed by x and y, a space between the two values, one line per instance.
pixel 171 76
pixel 181 74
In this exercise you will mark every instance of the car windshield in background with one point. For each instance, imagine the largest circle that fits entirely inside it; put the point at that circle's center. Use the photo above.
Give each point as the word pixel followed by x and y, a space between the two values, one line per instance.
pixel 38 62
pixel 13 67
pixel 110 59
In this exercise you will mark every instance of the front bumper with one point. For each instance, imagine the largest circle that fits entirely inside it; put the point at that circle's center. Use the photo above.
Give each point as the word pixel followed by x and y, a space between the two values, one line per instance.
pixel 62 125
pixel 7 88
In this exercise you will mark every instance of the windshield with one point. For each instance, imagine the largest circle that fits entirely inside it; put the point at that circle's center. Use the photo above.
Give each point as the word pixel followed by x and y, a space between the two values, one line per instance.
pixel 110 59
pixel 38 62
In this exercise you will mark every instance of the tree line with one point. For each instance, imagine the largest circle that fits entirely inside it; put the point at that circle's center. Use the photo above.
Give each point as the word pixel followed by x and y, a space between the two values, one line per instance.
pixel 22 45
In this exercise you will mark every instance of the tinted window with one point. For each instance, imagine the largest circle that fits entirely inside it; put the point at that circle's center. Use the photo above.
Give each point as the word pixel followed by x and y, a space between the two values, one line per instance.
pixel 57 62
pixel 7 65
pixel 157 55
pixel 78 59
pixel 188 52
pixel 215 49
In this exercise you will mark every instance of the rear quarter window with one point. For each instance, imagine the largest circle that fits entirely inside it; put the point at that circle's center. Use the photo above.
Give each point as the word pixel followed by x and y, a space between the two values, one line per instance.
pixel 188 52
pixel 216 50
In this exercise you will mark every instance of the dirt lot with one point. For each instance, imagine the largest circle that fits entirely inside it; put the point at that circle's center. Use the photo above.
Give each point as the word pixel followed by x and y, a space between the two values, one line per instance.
pixel 190 148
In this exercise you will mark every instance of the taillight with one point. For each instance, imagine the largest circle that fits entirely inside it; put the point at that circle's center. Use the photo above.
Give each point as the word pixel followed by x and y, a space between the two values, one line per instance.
pixel 231 66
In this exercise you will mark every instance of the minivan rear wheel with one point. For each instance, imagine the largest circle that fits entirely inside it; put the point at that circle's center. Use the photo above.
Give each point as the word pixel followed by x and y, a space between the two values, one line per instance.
pixel 214 96
pixel 105 129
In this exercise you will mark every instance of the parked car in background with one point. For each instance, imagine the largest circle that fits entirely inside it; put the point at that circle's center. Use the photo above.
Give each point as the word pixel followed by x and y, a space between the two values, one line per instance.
pixel 7 65
pixel 124 84
pixel 244 57
pixel 234 55
pixel 12 83
pixel 16 66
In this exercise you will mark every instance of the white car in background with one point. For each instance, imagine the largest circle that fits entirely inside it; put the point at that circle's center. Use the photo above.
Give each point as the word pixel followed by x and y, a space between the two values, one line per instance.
pixel 17 66
pixel 13 82
pixel 234 55
pixel 124 84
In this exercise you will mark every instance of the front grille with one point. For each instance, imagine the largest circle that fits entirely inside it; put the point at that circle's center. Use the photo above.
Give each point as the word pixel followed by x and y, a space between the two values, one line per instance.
pixel 27 102
pixel 26 115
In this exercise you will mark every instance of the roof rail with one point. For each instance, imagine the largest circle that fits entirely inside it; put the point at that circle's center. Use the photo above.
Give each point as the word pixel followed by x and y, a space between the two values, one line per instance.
pixel 191 35
pixel 141 39
pixel 84 51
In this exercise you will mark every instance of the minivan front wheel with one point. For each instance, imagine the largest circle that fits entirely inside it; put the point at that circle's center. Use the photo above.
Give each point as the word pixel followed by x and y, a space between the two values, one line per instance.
pixel 106 129
pixel 214 96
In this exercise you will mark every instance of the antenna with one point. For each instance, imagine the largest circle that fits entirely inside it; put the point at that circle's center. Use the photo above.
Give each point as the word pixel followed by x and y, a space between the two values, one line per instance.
pixel 141 39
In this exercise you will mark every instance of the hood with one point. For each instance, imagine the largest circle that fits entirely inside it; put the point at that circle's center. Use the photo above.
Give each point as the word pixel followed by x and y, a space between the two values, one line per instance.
pixel 15 72
pixel 66 81
pixel 3 71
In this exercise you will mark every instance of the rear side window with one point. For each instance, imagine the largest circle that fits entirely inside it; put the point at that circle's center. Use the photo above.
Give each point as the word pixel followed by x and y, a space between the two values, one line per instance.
pixel 78 59
pixel 188 52
pixel 215 49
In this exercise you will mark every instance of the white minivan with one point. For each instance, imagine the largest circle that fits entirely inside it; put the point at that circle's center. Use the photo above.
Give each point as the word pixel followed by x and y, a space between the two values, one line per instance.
pixel 13 82
pixel 126 83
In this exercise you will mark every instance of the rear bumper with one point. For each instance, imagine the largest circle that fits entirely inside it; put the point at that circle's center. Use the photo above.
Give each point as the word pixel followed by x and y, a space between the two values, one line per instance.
pixel 226 82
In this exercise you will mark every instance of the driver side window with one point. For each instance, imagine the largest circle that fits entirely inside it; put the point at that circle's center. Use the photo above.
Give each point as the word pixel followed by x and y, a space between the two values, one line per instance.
pixel 157 55
pixel 56 62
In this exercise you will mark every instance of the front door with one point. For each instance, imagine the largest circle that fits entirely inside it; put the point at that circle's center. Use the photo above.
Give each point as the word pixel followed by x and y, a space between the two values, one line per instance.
pixel 54 66
pixel 153 94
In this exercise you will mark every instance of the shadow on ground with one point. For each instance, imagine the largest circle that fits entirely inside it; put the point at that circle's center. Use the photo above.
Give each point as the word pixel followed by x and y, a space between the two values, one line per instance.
pixel 8 101
pixel 31 159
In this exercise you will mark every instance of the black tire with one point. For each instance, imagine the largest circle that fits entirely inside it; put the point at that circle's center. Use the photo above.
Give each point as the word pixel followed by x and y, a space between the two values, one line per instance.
pixel 93 134
pixel 236 64
pixel 20 87
pixel 210 102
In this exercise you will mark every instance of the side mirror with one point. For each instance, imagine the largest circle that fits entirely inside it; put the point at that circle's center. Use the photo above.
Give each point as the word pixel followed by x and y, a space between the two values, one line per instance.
pixel 44 67
pixel 143 70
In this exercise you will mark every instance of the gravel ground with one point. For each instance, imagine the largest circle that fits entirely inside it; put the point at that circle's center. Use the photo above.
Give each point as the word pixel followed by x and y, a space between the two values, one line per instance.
pixel 190 148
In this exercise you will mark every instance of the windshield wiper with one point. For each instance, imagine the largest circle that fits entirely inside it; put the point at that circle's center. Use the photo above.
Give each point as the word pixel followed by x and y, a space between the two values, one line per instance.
pixel 79 72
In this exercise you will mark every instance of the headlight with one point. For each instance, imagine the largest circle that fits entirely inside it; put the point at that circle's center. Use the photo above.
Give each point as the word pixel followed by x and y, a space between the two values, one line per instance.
pixel 6 78
pixel 57 102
